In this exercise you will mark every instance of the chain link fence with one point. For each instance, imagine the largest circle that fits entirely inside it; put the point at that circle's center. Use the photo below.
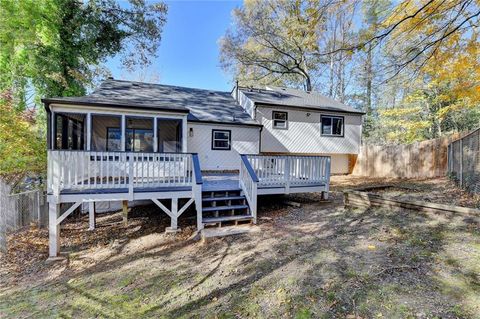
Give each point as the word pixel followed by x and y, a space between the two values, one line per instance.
pixel 464 161
pixel 19 210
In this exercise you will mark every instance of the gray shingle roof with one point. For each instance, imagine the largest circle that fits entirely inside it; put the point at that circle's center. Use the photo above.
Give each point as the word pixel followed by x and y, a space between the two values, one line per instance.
pixel 296 98
pixel 202 105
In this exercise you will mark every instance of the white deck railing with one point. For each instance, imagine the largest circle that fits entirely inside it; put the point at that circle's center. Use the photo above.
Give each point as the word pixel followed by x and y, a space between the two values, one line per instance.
pixel 290 171
pixel 82 170
pixel 248 183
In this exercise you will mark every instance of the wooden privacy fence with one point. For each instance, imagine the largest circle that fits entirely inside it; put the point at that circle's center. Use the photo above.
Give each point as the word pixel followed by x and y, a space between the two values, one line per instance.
pixel 418 160
pixel 19 210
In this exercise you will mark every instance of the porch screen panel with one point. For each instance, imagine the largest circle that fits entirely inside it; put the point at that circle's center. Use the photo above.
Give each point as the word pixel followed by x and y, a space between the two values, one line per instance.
pixel 139 136
pixel 69 131
pixel 169 135
pixel 106 133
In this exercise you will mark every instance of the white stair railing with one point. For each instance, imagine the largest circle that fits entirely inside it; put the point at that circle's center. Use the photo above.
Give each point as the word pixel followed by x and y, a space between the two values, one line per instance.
pixel 248 183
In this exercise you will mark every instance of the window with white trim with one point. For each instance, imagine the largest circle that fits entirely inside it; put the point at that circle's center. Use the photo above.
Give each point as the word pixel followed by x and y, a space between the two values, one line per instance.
pixel 221 139
pixel 332 125
pixel 280 120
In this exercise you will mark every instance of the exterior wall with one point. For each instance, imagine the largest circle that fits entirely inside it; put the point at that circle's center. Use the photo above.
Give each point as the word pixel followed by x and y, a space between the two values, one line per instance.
pixel 245 102
pixel 244 140
pixel 303 133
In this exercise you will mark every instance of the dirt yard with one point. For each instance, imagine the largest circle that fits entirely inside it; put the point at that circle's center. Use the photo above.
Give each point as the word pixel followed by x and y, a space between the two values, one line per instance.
pixel 317 261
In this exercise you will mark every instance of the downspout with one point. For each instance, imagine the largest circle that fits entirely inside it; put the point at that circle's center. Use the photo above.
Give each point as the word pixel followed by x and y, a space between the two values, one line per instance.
pixel 260 140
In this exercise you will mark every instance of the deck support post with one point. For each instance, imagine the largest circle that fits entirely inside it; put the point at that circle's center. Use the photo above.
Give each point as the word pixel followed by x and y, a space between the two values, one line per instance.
pixel 197 194
pixel 91 215
pixel 174 217
pixel 53 229
pixel 125 211
pixel 327 178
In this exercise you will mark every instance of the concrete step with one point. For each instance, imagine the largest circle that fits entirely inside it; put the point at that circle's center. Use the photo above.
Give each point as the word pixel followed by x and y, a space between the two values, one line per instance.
pixel 207 233
pixel 219 208
pixel 212 220
pixel 213 199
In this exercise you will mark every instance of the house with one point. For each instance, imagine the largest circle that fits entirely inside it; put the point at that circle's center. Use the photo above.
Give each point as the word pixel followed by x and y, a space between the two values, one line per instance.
pixel 130 141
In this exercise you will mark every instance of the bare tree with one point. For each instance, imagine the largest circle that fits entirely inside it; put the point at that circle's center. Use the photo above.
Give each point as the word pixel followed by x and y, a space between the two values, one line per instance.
pixel 275 42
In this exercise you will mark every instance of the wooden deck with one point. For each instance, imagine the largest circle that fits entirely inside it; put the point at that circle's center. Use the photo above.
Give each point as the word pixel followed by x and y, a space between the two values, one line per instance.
pixel 220 182
pixel 79 177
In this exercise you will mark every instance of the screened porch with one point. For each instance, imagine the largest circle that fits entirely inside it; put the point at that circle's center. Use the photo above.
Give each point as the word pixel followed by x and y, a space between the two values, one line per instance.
pixel 101 152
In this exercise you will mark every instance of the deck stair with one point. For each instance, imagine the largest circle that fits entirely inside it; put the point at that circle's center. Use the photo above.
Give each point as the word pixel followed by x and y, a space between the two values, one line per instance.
pixel 225 207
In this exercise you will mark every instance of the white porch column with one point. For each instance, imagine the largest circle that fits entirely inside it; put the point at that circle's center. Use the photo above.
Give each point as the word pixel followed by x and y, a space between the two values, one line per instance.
pixel 155 133
pixel 53 229
pixel 91 215
pixel 52 131
pixel 124 132
pixel 89 131
pixel 184 134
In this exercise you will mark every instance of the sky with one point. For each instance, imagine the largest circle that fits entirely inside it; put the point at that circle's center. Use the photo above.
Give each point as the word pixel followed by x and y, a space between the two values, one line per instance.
pixel 189 51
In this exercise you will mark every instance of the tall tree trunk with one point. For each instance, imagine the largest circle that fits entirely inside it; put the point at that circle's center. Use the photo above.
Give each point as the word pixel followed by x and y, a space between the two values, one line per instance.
pixel 308 83
pixel 369 76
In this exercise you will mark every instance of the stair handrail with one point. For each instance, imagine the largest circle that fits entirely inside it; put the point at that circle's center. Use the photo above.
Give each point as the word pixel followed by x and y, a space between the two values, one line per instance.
pixel 197 188
pixel 248 181
pixel 249 168
pixel 197 172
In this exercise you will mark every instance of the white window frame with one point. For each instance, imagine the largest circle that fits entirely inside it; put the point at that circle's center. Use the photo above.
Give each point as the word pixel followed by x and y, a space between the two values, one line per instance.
pixel 275 121
pixel 331 117
pixel 229 140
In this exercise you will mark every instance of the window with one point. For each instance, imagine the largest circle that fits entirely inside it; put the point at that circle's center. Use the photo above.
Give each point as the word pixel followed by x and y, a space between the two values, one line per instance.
pixel 332 125
pixel 221 140
pixel 280 120
pixel 139 134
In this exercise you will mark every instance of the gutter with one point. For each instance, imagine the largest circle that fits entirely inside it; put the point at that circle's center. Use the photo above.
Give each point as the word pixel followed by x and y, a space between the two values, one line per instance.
pixel 226 123
pixel 47 103
pixel 308 108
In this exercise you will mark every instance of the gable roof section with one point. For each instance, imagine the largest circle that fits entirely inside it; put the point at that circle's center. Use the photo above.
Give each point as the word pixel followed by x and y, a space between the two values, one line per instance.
pixel 202 105
pixel 296 98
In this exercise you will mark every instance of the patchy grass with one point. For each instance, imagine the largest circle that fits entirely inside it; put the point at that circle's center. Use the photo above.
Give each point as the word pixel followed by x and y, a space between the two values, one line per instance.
pixel 317 261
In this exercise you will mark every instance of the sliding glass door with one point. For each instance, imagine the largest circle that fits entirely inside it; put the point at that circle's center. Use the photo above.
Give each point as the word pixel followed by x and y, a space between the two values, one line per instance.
pixel 139 134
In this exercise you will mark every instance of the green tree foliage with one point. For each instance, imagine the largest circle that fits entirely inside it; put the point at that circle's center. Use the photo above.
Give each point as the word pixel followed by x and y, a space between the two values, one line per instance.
pixel 412 66
pixel 22 149
pixel 57 48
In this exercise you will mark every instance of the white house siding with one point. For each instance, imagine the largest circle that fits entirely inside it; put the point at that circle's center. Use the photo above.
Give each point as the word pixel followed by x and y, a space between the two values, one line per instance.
pixel 303 135
pixel 245 140
pixel 245 102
